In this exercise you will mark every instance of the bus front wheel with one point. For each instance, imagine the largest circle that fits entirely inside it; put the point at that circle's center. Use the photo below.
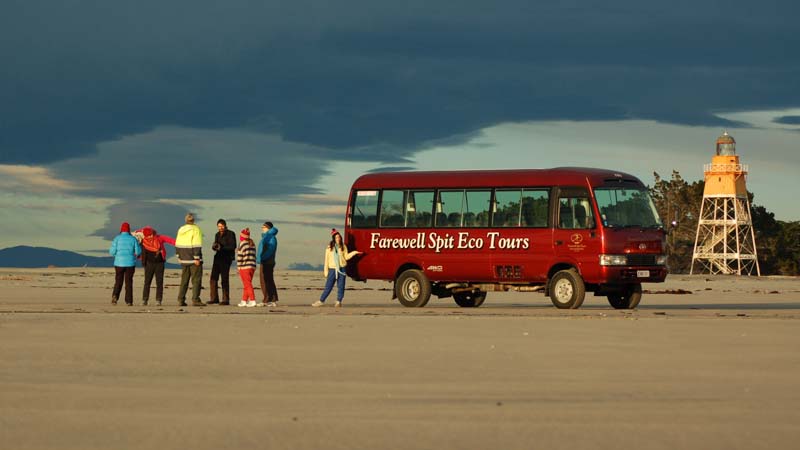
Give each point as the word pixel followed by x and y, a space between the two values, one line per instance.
pixel 469 299
pixel 629 299
pixel 567 290
pixel 413 289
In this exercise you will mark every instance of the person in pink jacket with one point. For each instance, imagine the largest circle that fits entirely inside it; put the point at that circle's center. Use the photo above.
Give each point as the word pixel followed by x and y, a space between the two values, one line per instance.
pixel 154 255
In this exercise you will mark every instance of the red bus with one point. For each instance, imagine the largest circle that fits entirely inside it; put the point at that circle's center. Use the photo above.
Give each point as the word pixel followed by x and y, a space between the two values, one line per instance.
pixel 563 232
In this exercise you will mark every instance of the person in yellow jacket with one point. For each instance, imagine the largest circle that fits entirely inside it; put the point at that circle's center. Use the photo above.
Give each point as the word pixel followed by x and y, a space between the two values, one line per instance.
pixel 336 257
pixel 189 246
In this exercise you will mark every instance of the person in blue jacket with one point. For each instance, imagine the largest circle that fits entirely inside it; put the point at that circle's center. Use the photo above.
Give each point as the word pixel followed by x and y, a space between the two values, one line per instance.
pixel 124 248
pixel 267 249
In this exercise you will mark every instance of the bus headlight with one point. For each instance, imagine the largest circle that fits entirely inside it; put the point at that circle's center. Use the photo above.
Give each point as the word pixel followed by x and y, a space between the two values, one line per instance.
pixel 661 260
pixel 613 260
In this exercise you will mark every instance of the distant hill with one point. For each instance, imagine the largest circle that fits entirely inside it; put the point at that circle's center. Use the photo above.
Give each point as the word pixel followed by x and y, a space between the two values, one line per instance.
pixel 32 257
pixel 304 266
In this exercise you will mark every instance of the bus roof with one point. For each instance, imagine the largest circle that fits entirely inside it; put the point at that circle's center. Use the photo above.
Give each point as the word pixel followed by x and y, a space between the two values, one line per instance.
pixel 559 176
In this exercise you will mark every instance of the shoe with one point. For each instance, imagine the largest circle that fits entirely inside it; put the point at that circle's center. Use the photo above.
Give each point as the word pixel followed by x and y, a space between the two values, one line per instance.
pixel 198 303
pixel 144 302
pixel 128 304
pixel 251 304
pixel 158 302
pixel 317 304
pixel 181 303
pixel 338 304
pixel 242 304
pixel 113 300
pixel 224 303
pixel 213 302
pixel 272 304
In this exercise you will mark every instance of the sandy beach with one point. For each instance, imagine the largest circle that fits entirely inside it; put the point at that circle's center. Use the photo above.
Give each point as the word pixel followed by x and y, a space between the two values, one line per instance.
pixel 704 362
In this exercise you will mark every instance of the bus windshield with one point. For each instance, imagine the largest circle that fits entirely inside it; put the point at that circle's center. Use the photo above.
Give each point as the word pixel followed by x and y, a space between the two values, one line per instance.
pixel 626 207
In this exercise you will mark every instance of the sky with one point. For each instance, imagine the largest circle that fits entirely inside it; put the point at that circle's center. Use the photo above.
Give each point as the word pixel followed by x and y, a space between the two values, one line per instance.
pixel 268 110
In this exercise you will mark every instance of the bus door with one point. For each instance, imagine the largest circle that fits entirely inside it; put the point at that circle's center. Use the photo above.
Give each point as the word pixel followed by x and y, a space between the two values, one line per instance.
pixel 575 235
pixel 522 241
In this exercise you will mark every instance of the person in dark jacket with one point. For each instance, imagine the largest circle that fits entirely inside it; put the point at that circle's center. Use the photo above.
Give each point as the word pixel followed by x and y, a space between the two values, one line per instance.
pixel 124 248
pixel 225 248
pixel 267 249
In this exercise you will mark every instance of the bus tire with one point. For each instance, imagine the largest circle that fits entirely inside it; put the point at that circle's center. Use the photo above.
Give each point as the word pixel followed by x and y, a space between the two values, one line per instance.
pixel 627 300
pixel 567 290
pixel 413 289
pixel 469 299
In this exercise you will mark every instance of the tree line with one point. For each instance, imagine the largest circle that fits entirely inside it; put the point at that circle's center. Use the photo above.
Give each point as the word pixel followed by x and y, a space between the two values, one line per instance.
pixel 678 203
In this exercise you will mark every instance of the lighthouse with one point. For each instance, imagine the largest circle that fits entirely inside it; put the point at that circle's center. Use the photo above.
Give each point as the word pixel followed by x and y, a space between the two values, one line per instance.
pixel 725 242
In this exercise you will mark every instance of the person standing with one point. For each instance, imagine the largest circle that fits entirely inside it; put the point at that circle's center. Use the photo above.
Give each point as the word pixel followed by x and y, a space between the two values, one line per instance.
pixel 189 247
pixel 246 264
pixel 225 248
pixel 154 255
pixel 336 257
pixel 267 249
pixel 124 248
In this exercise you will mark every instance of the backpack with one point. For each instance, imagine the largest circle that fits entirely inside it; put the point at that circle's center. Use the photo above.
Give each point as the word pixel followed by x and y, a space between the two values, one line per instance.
pixel 152 244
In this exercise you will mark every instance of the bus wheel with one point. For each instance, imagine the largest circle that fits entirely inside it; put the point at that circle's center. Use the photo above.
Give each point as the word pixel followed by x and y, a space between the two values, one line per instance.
pixel 567 290
pixel 469 299
pixel 627 300
pixel 413 288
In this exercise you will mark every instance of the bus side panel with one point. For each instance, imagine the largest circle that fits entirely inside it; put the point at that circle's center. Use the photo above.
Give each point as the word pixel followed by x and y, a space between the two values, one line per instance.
pixel 521 254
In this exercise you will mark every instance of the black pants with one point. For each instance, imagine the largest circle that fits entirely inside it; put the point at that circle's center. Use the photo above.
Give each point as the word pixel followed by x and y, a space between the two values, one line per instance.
pixel 124 274
pixel 157 269
pixel 195 273
pixel 268 288
pixel 221 267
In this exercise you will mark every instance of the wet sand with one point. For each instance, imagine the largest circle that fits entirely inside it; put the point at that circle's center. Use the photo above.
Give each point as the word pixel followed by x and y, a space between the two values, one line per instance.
pixel 715 367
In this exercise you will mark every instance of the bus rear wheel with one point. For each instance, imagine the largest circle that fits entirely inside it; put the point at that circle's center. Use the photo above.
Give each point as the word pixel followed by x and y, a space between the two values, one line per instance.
pixel 469 299
pixel 629 299
pixel 567 290
pixel 413 289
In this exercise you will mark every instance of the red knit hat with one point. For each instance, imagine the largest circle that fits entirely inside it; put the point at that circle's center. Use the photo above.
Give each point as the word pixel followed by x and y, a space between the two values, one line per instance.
pixel 148 231
pixel 125 227
pixel 245 232
pixel 334 232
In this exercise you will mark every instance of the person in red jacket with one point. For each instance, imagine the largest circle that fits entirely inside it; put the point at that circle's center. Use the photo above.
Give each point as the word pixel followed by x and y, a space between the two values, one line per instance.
pixel 154 255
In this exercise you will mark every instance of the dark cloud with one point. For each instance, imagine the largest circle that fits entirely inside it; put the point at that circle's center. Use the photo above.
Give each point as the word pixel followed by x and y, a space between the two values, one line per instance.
pixel 366 81
pixel 788 120
pixel 166 218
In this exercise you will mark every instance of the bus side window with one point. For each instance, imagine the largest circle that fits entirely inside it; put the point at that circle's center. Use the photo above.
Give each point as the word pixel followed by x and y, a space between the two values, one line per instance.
pixel 392 203
pixel 507 208
pixel 418 209
pixel 448 208
pixel 476 208
pixel 575 213
pixel 365 209
pixel 535 208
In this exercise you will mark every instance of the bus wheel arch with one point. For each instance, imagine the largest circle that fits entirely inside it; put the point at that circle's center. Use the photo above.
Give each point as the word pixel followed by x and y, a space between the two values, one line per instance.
pixel 567 289
pixel 412 288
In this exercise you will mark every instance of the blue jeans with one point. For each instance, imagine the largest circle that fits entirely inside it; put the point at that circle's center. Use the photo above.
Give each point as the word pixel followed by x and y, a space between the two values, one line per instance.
pixel 339 279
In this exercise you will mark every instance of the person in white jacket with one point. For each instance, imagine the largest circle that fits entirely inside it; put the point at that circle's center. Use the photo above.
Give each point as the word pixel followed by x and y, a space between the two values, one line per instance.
pixel 336 257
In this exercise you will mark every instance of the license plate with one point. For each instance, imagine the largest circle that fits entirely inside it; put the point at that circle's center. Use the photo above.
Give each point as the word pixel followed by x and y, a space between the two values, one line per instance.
pixel 643 274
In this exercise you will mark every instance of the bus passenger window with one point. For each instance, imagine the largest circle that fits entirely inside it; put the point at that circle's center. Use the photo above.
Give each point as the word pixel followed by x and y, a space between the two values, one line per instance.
pixel 476 208
pixel 365 209
pixel 392 203
pixel 418 209
pixel 448 208
pixel 507 207
pixel 535 206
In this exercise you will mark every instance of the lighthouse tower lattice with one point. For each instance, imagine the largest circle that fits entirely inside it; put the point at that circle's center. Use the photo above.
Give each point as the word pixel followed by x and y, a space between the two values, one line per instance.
pixel 725 242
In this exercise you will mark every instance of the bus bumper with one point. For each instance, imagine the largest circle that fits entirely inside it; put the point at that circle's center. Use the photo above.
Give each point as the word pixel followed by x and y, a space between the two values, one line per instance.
pixel 628 275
